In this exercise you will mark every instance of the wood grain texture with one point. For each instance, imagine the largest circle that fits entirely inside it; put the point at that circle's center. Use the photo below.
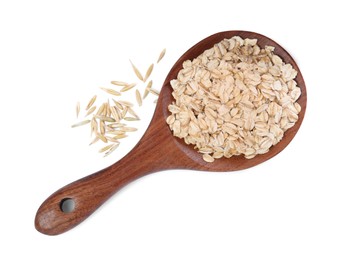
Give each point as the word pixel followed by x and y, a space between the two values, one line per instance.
pixel 157 150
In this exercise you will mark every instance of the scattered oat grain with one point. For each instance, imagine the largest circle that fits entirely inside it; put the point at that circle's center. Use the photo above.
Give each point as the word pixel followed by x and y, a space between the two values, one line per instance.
pixel 162 54
pixel 154 91
pixel 91 102
pixel 113 148
pixel 138 97
pixel 127 87
pixel 105 148
pixel 91 110
pixel 149 72
pixel 81 123
pixel 147 89
pixel 137 72
pixel 111 91
pixel 119 83
pixel 129 118
pixel 77 109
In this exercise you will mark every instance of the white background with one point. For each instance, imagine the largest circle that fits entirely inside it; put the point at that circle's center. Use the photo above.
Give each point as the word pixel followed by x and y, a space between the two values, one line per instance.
pixel 55 53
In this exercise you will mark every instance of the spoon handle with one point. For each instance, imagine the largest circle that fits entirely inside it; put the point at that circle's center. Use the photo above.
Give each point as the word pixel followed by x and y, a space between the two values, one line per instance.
pixel 73 203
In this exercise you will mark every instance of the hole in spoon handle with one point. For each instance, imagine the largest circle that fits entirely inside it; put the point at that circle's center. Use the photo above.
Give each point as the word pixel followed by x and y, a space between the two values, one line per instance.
pixel 67 205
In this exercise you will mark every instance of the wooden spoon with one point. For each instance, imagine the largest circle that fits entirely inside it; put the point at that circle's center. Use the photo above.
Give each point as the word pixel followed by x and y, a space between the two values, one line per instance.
pixel 157 150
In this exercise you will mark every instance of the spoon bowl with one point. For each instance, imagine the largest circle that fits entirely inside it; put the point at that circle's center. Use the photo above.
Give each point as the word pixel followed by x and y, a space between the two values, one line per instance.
pixel 157 150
